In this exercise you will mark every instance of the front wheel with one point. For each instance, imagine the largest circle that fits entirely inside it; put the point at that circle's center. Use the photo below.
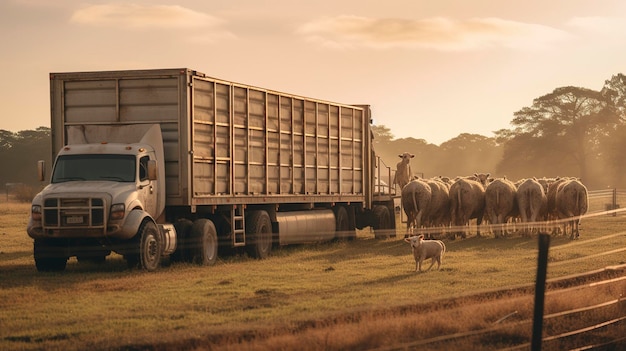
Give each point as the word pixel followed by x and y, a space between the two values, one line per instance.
pixel 149 256
pixel 259 230
pixel 49 257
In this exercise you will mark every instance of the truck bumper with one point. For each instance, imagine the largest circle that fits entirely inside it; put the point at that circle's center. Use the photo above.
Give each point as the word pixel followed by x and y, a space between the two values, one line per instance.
pixel 36 231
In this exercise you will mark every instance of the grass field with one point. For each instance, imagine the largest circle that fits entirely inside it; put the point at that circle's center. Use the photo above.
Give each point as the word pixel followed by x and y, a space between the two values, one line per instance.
pixel 107 306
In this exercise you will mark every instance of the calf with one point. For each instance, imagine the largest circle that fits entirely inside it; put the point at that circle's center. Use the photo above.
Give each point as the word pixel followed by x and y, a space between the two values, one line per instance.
pixel 425 249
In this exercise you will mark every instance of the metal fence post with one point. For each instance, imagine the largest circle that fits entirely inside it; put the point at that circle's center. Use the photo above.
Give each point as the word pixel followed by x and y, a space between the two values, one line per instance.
pixel 540 289
pixel 614 201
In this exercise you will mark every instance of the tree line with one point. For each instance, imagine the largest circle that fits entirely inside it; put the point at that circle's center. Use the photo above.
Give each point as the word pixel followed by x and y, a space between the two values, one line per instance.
pixel 19 153
pixel 571 131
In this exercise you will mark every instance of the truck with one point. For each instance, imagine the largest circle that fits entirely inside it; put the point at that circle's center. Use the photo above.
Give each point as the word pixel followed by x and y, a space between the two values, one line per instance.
pixel 173 164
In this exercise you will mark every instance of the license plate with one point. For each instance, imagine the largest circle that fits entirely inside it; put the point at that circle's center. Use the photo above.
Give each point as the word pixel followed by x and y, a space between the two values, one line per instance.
pixel 74 220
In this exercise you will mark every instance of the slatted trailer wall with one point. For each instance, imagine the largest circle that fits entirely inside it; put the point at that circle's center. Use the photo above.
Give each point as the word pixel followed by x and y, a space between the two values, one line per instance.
pixel 226 142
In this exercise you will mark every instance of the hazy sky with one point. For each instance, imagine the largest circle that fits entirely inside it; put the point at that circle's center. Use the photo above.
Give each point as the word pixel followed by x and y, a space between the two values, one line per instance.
pixel 430 69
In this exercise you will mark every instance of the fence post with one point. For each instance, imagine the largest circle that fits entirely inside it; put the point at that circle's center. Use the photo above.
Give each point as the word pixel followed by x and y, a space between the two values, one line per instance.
pixel 614 201
pixel 540 289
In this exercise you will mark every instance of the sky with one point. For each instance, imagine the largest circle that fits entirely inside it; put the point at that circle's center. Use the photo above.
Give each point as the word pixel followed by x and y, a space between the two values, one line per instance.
pixel 430 69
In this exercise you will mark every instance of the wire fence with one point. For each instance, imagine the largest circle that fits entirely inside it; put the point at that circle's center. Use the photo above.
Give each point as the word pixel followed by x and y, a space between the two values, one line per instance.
pixel 609 201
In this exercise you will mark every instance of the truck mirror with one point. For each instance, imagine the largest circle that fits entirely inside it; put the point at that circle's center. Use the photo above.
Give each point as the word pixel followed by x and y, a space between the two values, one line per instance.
pixel 41 170
pixel 152 170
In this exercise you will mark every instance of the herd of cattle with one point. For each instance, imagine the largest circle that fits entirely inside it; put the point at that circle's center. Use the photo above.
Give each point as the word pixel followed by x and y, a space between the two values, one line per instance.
pixel 444 205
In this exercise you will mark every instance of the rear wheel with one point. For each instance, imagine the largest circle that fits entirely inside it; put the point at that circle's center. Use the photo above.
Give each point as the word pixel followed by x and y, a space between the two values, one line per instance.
pixel 203 242
pixel 344 224
pixel 382 222
pixel 259 231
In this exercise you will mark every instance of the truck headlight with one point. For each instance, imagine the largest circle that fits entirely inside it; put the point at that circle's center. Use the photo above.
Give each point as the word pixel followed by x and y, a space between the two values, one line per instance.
pixel 117 211
pixel 35 212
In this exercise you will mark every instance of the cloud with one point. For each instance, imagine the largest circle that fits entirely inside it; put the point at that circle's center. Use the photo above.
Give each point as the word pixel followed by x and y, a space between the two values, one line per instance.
pixel 438 33
pixel 127 15
pixel 612 26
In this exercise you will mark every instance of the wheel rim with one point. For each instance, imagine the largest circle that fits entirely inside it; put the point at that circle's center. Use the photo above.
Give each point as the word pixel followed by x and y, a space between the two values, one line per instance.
pixel 151 250
pixel 209 249
pixel 265 238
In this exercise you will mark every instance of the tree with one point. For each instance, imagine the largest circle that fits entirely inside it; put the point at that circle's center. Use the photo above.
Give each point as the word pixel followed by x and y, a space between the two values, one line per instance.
pixel 560 128
pixel 382 134
pixel 19 153
pixel 467 154
pixel 614 90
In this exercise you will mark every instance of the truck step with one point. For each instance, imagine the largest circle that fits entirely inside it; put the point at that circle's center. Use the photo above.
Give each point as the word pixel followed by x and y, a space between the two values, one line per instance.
pixel 238 226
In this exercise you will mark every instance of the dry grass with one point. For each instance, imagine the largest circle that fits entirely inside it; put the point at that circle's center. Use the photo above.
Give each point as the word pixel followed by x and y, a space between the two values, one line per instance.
pixel 302 295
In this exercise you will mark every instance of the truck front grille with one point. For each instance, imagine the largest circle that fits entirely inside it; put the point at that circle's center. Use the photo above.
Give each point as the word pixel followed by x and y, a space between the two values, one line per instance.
pixel 73 213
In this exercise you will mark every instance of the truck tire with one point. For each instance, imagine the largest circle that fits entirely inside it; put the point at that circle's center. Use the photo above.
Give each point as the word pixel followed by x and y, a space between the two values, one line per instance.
pixel 259 233
pixel 344 225
pixel 203 242
pixel 183 231
pixel 149 248
pixel 49 257
pixel 382 221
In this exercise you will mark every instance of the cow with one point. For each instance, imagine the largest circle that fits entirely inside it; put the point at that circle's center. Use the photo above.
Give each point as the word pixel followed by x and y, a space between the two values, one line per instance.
pixel 467 201
pixel 571 203
pixel 532 204
pixel 500 203
pixel 415 198
pixel 403 170
pixel 425 249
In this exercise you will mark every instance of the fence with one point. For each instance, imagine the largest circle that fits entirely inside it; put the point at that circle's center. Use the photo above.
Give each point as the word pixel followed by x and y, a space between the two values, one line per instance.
pixel 606 200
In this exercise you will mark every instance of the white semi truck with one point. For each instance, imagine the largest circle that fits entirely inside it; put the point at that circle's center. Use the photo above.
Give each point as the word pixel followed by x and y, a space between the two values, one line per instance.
pixel 172 163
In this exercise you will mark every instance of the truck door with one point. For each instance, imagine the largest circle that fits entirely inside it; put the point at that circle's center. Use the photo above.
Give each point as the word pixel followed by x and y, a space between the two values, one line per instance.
pixel 147 187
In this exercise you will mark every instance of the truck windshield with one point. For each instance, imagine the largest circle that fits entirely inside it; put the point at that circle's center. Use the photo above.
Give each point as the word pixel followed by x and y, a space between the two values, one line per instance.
pixel 120 168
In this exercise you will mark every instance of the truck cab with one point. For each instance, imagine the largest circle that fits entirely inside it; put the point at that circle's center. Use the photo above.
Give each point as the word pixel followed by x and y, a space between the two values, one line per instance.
pixel 99 197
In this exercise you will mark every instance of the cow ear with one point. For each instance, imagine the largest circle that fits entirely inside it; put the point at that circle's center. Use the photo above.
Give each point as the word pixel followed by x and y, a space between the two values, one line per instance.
pixel 400 155
pixel 408 240
pixel 412 155
pixel 421 236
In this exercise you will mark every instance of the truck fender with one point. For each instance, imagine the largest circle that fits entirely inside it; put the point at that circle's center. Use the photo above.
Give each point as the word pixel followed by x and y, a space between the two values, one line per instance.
pixel 133 222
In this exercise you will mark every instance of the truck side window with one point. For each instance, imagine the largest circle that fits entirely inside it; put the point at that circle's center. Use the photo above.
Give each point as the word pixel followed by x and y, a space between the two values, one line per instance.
pixel 143 168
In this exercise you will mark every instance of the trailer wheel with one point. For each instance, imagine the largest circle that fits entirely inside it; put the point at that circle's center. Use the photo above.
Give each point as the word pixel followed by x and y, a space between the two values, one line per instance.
pixel 344 224
pixel 183 230
pixel 203 242
pixel 382 221
pixel 49 257
pixel 148 243
pixel 259 230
